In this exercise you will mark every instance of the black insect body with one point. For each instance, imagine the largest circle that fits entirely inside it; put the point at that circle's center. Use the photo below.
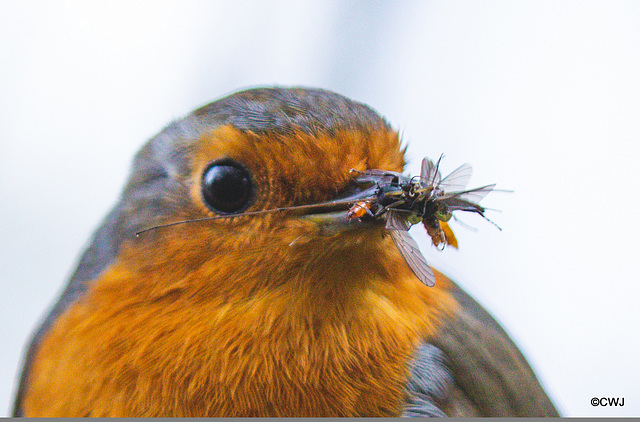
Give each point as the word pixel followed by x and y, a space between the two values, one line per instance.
pixel 403 201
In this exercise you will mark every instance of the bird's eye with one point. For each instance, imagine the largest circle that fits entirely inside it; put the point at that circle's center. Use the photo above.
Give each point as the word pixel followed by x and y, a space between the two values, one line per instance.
pixel 227 186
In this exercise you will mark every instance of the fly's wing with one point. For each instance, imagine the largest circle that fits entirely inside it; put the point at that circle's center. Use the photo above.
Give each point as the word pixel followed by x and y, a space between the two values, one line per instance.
pixel 410 251
pixel 413 257
pixel 457 179
pixel 466 200
pixel 429 174
pixel 472 195
pixel 396 221
pixel 457 204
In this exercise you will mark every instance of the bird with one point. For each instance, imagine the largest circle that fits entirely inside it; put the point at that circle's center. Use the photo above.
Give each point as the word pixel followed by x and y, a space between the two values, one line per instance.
pixel 237 303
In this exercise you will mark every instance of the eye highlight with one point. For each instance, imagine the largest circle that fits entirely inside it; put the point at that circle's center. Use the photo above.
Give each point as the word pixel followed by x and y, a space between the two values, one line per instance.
pixel 227 186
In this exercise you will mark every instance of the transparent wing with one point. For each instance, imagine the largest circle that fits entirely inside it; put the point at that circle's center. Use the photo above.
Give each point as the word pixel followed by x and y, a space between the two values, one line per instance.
pixel 457 179
pixel 396 221
pixel 413 257
pixel 429 174
pixel 472 195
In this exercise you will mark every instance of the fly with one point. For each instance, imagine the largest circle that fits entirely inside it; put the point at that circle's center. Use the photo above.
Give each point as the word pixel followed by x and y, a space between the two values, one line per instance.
pixel 403 201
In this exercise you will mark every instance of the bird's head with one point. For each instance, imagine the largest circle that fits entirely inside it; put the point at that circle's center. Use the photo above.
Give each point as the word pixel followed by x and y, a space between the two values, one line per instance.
pixel 257 150
pixel 243 312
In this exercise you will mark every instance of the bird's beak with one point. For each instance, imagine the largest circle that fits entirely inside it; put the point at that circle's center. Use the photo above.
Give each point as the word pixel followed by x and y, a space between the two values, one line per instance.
pixel 332 216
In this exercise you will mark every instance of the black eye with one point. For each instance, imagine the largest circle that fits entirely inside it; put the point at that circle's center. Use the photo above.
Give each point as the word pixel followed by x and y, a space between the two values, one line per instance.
pixel 227 186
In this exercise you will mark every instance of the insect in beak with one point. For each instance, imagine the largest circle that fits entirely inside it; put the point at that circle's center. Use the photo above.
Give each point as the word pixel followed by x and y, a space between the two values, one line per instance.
pixel 378 197
pixel 403 201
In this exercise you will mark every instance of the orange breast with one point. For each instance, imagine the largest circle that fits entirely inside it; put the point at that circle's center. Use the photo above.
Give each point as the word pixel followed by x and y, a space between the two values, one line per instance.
pixel 278 354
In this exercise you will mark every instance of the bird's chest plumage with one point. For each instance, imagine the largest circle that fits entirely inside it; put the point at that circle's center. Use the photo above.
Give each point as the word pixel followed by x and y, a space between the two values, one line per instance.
pixel 272 355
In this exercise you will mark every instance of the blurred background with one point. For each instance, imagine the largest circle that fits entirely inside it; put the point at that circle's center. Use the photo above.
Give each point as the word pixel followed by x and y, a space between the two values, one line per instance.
pixel 541 97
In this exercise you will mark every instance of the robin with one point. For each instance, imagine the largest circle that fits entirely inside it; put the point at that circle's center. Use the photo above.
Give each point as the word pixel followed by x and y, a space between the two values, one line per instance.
pixel 248 313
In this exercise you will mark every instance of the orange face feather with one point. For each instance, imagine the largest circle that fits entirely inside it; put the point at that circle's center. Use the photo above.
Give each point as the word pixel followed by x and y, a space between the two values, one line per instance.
pixel 262 315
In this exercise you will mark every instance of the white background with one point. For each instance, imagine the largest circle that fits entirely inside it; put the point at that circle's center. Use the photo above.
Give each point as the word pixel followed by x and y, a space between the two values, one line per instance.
pixel 542 97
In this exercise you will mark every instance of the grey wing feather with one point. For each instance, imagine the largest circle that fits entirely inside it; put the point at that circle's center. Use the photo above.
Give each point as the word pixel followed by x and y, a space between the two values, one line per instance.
pixel 429 384
pixel 491 376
